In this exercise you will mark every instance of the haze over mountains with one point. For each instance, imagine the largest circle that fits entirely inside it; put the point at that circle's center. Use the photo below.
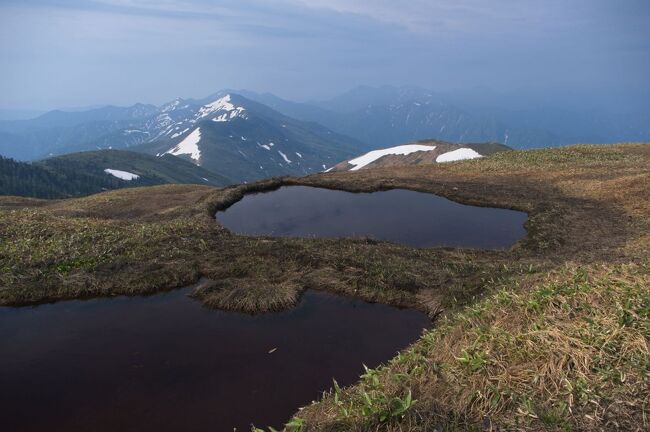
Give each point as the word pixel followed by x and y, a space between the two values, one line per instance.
pixel 389 115
pixel 224 133
pixel 245 136
pixel 375 116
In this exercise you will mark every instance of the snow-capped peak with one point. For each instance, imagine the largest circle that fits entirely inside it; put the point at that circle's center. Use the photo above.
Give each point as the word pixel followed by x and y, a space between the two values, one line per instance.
pixel 224 108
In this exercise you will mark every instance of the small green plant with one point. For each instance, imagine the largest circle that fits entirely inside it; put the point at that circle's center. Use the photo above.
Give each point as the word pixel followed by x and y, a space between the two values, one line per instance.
pixel 401 406
pixel 473 360
pixel 296 424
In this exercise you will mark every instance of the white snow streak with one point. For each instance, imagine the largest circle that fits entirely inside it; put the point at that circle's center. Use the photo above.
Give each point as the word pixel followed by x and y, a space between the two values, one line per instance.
pixel 177 134
pixel 284 156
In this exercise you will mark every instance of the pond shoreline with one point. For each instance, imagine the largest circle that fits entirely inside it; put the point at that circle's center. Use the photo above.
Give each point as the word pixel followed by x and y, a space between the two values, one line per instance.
pixel 400 216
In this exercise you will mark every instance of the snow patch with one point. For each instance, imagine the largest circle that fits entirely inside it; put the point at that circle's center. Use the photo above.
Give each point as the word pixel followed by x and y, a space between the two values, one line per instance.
pixel 189 146
pixel 284 156
pixel 123 175
pixel 372 156
pixel 456 155
pixel 265 146
pixel 299 155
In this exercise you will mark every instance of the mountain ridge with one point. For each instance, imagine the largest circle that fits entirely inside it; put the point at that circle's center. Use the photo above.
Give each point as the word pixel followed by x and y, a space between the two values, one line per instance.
pixel 417 153
pixel 374 117
pixel 246 140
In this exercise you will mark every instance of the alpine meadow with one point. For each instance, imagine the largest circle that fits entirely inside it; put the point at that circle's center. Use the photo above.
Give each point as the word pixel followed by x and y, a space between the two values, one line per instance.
pixel 333 216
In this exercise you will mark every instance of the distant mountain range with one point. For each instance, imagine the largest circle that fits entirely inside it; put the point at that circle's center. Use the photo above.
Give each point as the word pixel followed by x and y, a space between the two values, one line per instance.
pixel 246 136
pixel 85 173
pixel 225 133
pixel 385 116
pixel 423 152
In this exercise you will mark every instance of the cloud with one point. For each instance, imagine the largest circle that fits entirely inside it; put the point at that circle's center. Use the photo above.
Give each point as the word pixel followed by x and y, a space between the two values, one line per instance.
pixel 98 51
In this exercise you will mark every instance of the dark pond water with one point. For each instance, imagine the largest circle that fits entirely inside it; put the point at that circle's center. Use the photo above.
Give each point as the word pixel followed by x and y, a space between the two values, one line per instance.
pixel 401 216
pixel 165 363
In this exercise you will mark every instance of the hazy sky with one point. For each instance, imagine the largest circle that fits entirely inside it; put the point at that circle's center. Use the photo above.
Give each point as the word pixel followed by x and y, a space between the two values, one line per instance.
pixel 60 53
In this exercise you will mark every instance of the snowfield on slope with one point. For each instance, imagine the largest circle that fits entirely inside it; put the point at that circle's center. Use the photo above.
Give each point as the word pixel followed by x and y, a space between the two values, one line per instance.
pixel 372 156
pixel 225 107
pixel 456 155
pixel 123 175
pixel 189 146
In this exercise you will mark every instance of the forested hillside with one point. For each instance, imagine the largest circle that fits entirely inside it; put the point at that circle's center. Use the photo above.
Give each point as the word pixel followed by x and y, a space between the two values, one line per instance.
pixel 85 173
pixel 34 180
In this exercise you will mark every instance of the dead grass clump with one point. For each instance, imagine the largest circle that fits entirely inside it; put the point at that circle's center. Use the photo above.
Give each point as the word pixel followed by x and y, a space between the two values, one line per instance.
pixel 247 295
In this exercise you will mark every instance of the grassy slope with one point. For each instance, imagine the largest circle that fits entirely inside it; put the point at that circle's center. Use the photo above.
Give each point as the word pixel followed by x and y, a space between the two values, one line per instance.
pixel 551 334
pixel 80 174
pixel 485 148
pixel 166 169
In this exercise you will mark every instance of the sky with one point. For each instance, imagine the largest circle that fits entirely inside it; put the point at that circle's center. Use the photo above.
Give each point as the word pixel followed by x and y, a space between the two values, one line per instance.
pixel 71 53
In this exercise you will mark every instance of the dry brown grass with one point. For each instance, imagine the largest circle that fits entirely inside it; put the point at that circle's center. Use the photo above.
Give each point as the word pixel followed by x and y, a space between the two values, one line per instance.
pixel 567 351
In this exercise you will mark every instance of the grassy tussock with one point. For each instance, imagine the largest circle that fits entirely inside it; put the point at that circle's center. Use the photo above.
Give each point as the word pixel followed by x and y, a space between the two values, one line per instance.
pixel 248 295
